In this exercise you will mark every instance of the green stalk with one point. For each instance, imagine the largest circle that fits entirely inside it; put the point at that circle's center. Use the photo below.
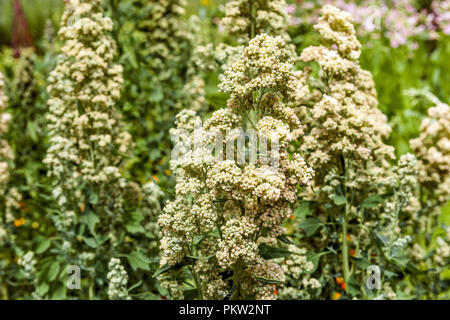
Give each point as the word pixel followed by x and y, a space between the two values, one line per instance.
pixel 197 284
pixel 345 225
pixel 345 250
pixel 5 294
pixel 236 279
pixel 91 290
pixel 253 23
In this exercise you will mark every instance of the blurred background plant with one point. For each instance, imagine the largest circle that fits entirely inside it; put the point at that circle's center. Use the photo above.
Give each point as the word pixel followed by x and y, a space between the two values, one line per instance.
pixel 405 45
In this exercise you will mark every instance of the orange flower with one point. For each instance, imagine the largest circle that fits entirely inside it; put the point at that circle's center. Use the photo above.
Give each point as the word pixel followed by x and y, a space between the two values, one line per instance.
pixel 339 280
pixel 155 178
pixel 348 237
pixel 167 172
pixel 335 296
pixel 291 217
pixel 343 286
pixel 275 291
pixel 352 252
pixel 82 208
pixel 19 222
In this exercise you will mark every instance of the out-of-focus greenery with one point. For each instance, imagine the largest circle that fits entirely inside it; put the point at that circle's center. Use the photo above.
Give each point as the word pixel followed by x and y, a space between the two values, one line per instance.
pixel 37 13
pixel 395 71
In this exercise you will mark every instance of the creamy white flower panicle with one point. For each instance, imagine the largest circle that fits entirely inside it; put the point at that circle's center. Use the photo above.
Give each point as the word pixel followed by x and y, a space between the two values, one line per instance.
pixel 236 206
pixel 401 183
pixel 343 141
pixel 28 264
pixel 244 20
pixel 86 141
pixel 118 281
pixel 344 122
pixel 298 268
pixel 165 31
pixel 432 149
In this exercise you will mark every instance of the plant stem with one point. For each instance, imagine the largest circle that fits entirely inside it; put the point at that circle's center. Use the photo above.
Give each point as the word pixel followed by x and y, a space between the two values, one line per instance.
pixel 236 279
pixel 197 284
pixel 253 23
pixel 5 295
pixel 345 225
pixel 345 250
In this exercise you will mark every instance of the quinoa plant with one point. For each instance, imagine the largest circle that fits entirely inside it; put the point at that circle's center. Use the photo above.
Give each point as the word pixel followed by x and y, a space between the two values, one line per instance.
pixel 99 214
pixel 221 230
pixel 431 245
pixel 351 218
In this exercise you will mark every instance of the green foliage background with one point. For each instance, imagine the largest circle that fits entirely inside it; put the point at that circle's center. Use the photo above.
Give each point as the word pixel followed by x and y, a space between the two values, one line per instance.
pixel 395 71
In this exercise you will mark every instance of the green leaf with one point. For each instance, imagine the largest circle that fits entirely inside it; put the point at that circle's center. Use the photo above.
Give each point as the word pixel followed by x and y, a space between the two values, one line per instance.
pixel 353 288
pixel 303 210
pixel 59 293
pixel 43 246
pixel 135 228
pixel 162 270
pixel 190 294
pixel 269 252
pixel 411 268
pixel 146 296
pixel 137 260
pixel 93 198
pixel 400 262
pixel 131 55
pixel 310 225
pixel 185 261
pixel 372 202
pixel 90 219
pixel 269 281
pixel 339 200
pixel 91 242
pixel 285 239
pixel 314 258
pixel 157 95
pixel 134 286
pixel 53 271
pixel 389 274
pixel 362 263
pixel 42 288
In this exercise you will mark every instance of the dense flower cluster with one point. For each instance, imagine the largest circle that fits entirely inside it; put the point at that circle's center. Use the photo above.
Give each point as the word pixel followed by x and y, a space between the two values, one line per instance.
pixel 236 206
pixel 28 263
pixel 283 184
pixel 118 280
pixel 86 141
pixel 432 148
pixel 343 141
pixel 345 130
pixel 246 19
pixel 298 268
